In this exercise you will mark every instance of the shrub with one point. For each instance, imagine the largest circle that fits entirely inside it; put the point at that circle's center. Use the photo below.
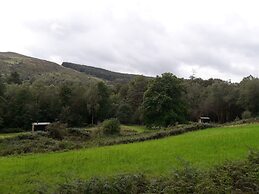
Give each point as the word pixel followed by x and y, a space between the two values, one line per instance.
pixel 246 114
pixel 75 133
pixel 121 184
pixel 231 177
pixel 57 130
pixel 111 126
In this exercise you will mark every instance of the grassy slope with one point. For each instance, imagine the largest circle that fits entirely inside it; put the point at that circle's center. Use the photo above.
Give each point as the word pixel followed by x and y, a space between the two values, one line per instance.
pixel 44 71
pixel 202 148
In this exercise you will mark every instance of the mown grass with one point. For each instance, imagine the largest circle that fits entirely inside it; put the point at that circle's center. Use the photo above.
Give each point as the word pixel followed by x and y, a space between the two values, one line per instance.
pixel 202 149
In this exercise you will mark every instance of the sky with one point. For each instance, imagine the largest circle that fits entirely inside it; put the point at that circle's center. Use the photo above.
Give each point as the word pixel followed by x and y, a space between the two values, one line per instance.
pixel 204 38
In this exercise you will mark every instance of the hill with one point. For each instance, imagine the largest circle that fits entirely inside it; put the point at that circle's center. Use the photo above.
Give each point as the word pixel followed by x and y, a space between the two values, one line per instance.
pixel 100 73
pixel 203 149
pixel 33 69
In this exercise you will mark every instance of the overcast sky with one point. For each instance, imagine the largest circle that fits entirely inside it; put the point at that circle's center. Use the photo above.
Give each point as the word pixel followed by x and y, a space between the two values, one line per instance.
pixel 218 38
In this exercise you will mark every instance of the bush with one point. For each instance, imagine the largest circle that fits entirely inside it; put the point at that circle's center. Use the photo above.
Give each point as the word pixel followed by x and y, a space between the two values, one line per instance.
pixel 75 133
pixel 231 177
pixel 246 114
pixel 111 126
pixel 57 130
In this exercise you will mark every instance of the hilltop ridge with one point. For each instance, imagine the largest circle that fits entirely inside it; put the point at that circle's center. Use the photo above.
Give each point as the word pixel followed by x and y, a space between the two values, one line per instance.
pixel 33 69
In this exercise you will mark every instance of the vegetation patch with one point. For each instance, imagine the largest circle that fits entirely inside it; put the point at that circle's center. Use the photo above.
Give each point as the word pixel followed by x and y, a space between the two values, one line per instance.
pixel 202 149
pixel 231 177
pixel 59 138
pixel 54 140
pixel 111 126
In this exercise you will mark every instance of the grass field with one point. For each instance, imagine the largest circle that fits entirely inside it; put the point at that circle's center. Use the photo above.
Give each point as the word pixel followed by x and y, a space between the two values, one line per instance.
pixel 158 157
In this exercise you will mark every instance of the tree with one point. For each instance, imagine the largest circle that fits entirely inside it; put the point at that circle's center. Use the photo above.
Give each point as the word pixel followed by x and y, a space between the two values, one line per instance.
pixel 79 114
pixel 125 113
pixel 111 126
pixel 20 112
pixel 103 101
pixel 194 98
pixel 249 95
pixel 47 102
pixel 65 94
pixel 137 88
pixel 2 102
pixel 163 104
pixel 2 86
pixel 92 100
pixel 14 78
pixel 221 102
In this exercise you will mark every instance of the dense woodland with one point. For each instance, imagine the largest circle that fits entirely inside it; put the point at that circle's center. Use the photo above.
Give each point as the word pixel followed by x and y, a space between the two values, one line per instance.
pixel 100 73
pixel 161 101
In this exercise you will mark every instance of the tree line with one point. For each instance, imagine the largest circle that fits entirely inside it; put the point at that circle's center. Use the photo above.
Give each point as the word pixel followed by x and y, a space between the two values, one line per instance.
pixel 161 101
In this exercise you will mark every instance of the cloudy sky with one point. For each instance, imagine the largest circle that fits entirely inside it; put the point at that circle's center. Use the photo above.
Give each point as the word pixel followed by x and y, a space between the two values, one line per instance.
pixel 218 38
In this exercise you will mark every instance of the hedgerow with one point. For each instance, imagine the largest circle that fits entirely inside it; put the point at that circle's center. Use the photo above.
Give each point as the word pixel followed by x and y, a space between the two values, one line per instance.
pixel 231 177
pixel 68 139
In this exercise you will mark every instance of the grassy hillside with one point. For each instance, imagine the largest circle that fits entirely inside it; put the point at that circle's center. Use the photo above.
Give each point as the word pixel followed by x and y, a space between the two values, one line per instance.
pixel 100 73
pixel 202 148
pixel 32 69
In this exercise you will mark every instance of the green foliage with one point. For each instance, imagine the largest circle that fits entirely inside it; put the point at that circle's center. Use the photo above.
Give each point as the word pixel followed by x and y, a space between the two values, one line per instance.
pixel 75 105
pixel 163 104
pixel 124 113
pixel 19 109
pixel 100 73
pixel 121 184
pixel 57 130
pixel 14 78
pixel 2 86
pixel 111 126
pixel 204 149
pixel 135 94
pixel 136 90
pixel 1 123
pixel 93 99
pixel 65 94
pixel 246 114
pixel 249 94
pixel 231 177
pixel 104 101
pixel 16 144
pixel 43 91
pixel 78 138
pixel 221 101
pixel 2 103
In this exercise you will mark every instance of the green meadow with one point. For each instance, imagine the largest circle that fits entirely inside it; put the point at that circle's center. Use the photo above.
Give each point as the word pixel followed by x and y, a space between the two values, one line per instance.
pixel 203 149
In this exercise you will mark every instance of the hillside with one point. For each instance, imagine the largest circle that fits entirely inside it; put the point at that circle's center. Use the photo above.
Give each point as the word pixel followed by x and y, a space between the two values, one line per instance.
pixel 100 73
pixel 33 69
pixel 203 149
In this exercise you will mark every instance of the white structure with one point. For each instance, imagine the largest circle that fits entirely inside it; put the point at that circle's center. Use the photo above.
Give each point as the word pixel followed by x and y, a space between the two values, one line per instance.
pixel 39 126
pixel 204 120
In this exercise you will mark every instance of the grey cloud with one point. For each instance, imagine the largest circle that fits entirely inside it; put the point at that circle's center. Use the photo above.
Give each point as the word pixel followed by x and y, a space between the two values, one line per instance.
pixel 134 44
